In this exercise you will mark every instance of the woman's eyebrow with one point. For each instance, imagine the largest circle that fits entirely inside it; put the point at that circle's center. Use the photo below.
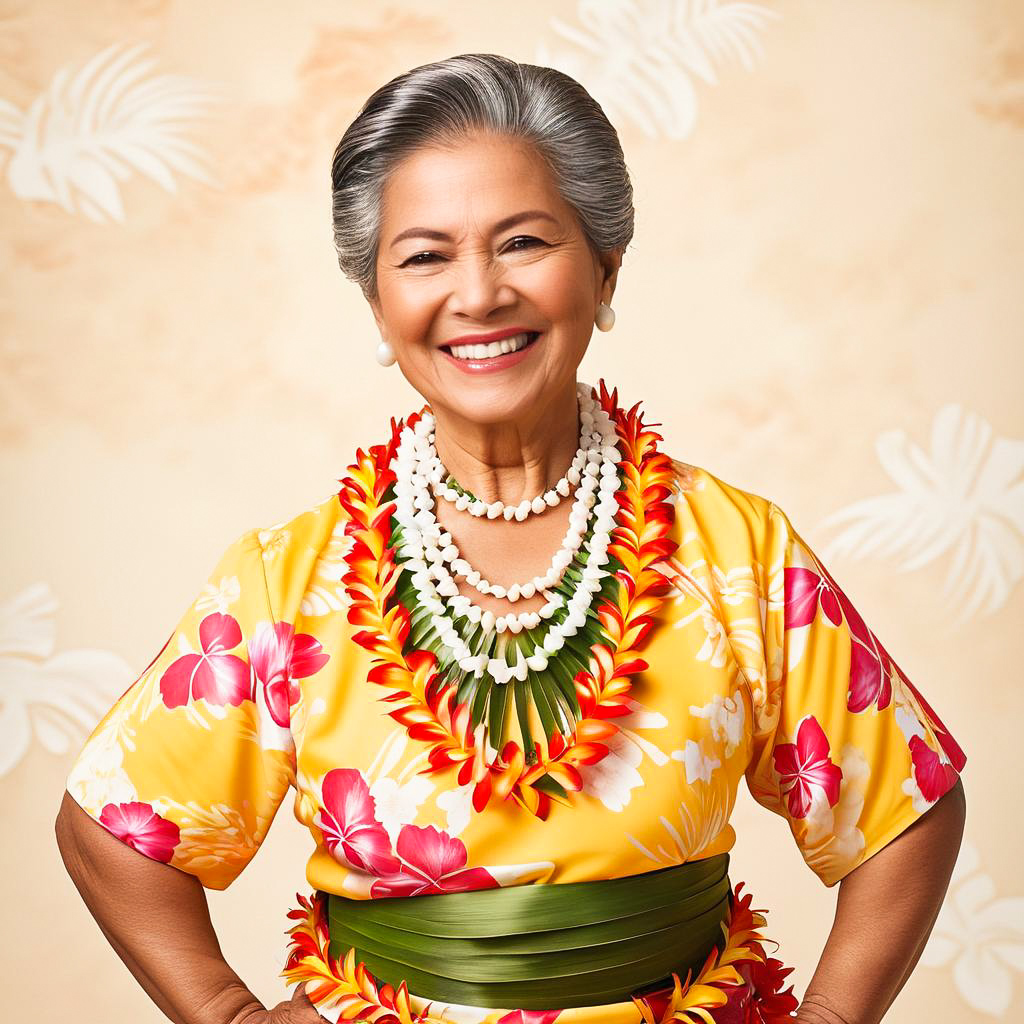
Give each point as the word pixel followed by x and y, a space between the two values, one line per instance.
pixel 501 225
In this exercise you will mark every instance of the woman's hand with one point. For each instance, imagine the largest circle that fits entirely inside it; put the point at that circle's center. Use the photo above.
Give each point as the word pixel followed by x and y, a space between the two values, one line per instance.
pixel 297 1010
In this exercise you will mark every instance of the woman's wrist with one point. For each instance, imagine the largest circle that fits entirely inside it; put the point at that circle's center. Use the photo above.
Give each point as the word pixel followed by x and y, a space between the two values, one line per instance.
pixel 816 1009
pixel 240 1006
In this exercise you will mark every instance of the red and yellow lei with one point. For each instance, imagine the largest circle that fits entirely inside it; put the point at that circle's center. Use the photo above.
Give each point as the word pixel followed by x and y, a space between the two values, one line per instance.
pixel 640 542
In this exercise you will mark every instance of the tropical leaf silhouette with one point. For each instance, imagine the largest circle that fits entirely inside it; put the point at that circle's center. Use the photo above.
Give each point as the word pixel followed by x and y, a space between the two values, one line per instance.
pixel 981 934
pixel 964 499
pixel 88 132
pixel 639 57
pixel 59 696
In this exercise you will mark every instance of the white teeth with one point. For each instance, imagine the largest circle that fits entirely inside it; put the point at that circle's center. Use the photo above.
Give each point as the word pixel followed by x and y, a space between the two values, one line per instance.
pixel 491 349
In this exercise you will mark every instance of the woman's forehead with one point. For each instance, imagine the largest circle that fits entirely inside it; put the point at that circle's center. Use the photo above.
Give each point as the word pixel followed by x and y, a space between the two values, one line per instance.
pixel 475 186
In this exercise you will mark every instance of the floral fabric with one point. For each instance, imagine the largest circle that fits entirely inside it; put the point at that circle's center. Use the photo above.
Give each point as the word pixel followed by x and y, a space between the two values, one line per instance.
pixel 758 667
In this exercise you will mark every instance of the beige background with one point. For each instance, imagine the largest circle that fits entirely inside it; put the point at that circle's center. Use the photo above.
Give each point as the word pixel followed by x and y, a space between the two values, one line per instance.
pixel 823 293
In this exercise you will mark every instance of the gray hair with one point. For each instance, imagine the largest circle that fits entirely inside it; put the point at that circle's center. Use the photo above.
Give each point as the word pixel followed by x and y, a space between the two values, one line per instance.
pixel 452 99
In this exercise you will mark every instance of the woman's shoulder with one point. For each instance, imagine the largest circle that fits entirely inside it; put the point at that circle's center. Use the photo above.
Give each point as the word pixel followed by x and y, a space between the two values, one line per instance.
pixel 310 525
pixel 303 559
pixel 716 509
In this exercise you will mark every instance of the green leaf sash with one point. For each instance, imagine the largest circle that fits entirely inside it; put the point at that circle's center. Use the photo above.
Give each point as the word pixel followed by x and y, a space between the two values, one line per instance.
pixel 540 947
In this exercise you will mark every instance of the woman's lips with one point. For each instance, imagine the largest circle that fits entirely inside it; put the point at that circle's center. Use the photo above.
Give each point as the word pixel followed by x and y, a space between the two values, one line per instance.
pixel 496 363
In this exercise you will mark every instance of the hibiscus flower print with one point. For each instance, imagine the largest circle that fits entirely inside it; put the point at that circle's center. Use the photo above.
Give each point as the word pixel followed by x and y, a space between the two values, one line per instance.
pixel 428 860
pixel 529 1017
pixel 805 766
pixel 932 776
pixel 280 657
pixel 216 675
pixel 348 820
pixel 432 862
pixel 138 825
pixel 935 757
pixel 808 589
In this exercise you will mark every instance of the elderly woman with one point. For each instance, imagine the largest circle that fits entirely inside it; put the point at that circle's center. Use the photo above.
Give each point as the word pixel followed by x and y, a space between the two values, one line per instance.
pixel 516 667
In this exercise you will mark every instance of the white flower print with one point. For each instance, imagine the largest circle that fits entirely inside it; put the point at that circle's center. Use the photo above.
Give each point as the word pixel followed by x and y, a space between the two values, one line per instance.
pixel 726 716
pixel 614 777
pixel 697 763
pixel 741 638
pixel 273 541
pixel 457 804
pixel 219 597
pixel 397 802
pixel 715 648
pixel 99 778
pixel 326 593
pixel 735 586
pixel 981 933
pixel 833 842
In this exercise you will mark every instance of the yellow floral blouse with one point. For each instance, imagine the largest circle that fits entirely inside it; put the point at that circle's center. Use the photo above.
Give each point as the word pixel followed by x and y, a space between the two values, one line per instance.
pixel 757 667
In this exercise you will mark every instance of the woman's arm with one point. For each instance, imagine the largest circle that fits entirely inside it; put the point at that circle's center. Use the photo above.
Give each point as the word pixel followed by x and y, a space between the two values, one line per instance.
pixel 158 922
pixel 885 912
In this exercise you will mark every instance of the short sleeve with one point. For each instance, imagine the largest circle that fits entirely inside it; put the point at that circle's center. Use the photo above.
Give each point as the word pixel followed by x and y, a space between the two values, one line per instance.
pixel 844 745
pixel 191 763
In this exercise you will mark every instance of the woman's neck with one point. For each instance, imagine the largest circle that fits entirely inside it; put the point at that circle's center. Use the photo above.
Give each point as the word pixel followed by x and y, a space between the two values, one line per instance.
pixel 510 461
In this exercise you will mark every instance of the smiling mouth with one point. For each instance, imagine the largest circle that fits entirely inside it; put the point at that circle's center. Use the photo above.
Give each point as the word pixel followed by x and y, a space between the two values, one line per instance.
pixel 492 349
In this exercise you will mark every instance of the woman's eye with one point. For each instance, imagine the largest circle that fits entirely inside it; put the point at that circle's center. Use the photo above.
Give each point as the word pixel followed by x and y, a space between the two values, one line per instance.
pixel 523 238
pixel 415 261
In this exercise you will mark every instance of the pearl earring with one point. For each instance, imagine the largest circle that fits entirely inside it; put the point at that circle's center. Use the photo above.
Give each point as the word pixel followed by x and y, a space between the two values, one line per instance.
pixel 385 354
pixel 605 317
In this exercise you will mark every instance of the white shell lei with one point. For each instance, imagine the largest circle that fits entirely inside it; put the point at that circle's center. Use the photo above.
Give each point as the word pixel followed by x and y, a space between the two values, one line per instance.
pixel 429 550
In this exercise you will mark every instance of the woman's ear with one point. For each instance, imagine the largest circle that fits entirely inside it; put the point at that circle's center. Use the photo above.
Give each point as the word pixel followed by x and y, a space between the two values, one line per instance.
pixel 610 263
pixel 377 316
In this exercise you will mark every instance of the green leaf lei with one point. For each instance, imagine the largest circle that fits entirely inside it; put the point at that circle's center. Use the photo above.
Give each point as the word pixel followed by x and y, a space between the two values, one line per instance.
pixel 552 692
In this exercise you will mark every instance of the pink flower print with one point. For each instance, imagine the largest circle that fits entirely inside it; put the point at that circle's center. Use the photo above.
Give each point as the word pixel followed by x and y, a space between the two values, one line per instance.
pixel 348 819
pixel 529 1017
pixel 804 590
pixel 950 747
pixel 138 825
pixel 433 862
pixel 279 657
pixel 804 764
pixel 933 776
pixel 870 669
pixel 214 675
pixel 870 680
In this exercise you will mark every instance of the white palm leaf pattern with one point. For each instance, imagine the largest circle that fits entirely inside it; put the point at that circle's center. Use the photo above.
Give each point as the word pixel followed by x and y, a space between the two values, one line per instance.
pixel 697 827
pixel 87 132
pixel 638 58
pixel 59 697
pixel 981 934
pixel 965 497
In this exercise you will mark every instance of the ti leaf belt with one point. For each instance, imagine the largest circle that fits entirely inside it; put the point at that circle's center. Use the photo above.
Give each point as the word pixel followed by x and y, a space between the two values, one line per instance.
pixel 539 947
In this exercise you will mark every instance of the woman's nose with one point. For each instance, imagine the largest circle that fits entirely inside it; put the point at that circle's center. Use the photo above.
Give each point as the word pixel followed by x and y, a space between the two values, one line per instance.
pixel 479 287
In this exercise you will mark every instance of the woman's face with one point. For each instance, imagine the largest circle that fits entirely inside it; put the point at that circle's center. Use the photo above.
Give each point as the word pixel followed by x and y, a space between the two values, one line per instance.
pixel 475 239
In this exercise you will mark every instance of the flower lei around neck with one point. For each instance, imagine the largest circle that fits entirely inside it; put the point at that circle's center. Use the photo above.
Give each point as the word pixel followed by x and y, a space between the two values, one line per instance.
pixel 583 689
